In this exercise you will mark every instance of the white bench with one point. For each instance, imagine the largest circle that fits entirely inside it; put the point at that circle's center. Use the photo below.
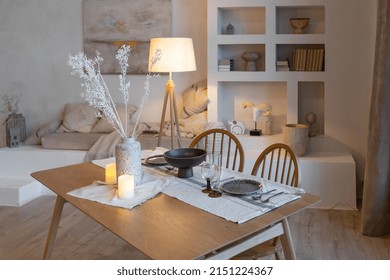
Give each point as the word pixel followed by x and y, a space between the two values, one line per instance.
pixel 329 175
pixel 17 187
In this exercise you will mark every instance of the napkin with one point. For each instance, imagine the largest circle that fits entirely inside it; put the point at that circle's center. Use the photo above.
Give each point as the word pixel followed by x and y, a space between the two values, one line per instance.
pixel 103 162
pixel 270 185
pixel 150 186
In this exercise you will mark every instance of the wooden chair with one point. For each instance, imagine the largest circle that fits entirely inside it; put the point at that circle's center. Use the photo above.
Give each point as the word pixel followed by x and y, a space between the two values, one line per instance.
pixel 224 142
pixel 277 163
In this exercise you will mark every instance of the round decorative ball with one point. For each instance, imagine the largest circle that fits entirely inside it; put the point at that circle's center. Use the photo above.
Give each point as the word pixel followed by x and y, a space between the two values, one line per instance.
pixel 311 118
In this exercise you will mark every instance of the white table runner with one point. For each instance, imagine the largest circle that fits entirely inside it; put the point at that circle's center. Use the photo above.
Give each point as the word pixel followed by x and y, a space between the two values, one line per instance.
pixel 156 179
pixel 237 209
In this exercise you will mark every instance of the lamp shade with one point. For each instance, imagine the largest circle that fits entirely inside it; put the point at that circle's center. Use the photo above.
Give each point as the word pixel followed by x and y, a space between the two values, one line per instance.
pixel 177 55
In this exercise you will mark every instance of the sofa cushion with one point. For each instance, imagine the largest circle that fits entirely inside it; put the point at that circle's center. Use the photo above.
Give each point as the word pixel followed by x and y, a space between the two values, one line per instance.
pixel 195 99
pixel 103 126
pixel 78 117
pixel 48 128
pixel 70 141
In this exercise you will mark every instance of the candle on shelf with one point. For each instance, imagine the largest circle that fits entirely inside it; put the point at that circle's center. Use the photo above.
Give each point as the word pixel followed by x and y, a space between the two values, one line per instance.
pixel 111 173
pixel 125 186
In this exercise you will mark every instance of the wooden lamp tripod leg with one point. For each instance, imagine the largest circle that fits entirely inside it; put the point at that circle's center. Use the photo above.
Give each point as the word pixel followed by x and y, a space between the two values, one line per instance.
pixel 166 96
pixel 175 114
pixel 170 94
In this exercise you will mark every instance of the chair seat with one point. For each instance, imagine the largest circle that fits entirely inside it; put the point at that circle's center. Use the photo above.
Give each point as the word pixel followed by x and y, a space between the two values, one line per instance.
pixel 260 251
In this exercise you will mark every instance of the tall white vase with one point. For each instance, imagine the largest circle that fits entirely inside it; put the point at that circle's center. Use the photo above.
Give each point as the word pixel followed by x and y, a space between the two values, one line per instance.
pixel 296 136
pixel 128 159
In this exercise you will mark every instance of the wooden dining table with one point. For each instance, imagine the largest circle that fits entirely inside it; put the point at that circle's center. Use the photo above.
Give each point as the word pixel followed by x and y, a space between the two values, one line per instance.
pixel 165 228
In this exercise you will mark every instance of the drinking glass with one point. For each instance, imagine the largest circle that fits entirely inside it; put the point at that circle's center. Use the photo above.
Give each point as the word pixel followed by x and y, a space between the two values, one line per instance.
pixel 211 171
pixel 208 173
pixel 215 182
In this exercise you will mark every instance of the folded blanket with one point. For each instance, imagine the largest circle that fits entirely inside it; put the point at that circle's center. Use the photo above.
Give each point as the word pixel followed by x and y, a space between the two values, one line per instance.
pixel 104 147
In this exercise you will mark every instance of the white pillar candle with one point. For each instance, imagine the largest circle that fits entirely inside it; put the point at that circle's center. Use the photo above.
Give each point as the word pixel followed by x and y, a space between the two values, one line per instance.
pixel 111 173
pixel 125 186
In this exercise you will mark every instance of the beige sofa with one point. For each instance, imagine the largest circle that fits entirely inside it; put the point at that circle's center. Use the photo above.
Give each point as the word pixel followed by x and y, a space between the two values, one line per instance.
pixel 79 128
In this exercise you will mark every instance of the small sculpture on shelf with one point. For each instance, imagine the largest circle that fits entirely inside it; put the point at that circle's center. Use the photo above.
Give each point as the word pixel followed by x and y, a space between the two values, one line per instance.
pixel 311 119
pixel 229 29
pixel 237 127
pixel 263 109
pixel 250 58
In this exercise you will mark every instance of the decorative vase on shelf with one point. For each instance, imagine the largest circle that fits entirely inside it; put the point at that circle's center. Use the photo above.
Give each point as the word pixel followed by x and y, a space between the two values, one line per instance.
pixel 250 59
pixel 128 159
pixel 299 24
pixel 296 136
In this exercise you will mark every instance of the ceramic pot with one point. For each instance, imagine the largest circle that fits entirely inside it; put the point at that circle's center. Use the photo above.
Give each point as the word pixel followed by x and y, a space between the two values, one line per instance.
pixel 296 136
pixel 128 159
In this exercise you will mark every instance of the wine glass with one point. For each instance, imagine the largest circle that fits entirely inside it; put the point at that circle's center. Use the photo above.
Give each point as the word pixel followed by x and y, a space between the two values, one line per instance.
pixel 211 171
pixel 216 160
pixel 208 173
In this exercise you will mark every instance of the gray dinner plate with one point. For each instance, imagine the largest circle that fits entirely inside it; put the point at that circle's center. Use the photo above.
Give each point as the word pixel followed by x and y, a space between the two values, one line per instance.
pixel 241 187
pixel 156 160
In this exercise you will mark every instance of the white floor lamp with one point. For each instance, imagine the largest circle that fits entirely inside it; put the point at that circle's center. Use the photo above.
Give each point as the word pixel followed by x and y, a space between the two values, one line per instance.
pixel 177 55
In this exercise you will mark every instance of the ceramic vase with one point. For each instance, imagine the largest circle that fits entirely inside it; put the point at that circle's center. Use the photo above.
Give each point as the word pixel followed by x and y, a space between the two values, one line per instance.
pixel 128 159
pixel 296 136
pixel 250 58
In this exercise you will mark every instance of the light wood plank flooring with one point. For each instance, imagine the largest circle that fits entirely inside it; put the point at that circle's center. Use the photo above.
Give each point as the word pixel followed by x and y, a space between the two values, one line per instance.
pixel 317 234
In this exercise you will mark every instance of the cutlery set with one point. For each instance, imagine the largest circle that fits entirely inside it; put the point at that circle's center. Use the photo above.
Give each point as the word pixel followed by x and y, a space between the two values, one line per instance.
pixel 259 196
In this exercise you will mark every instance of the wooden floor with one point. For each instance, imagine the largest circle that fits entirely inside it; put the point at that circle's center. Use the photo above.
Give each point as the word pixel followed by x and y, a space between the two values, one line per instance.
pixel 317 234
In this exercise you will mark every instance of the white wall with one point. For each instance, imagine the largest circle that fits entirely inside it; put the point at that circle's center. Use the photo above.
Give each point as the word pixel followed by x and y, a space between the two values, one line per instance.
pixel 36 37
pixel 350 57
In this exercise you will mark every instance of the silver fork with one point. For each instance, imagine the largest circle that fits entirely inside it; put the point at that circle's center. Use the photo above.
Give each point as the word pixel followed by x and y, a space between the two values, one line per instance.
pixel 258 196
pixel 267 199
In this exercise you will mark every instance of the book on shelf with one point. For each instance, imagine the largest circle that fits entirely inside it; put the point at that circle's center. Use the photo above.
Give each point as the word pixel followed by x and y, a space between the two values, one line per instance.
pixel 282 65
pixel 225 65
pixel 307 59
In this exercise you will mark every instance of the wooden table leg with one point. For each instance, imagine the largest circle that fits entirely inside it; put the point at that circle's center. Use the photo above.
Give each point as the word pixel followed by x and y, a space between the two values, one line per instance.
pixel 286 240
pixel 55 221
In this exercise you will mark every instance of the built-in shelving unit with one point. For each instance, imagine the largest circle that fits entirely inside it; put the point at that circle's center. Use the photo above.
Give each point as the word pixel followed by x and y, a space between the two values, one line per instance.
pixel 263 27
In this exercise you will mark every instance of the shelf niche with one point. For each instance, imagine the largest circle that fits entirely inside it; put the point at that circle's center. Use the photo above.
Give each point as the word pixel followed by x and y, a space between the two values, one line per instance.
pixel 310 60
pixel 235 51
pixel 315 13
pixel 234 94
pixel 245 20
pixel 311 99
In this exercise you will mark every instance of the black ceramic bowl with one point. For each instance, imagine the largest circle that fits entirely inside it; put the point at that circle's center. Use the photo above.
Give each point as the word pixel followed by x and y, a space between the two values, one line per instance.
pixel 184 159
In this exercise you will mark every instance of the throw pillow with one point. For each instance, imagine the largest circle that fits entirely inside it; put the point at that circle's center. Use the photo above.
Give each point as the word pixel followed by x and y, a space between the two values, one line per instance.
pixel 195 124
pixel 103 126
pixel 195 99
pixel 48 128
pixel 78 117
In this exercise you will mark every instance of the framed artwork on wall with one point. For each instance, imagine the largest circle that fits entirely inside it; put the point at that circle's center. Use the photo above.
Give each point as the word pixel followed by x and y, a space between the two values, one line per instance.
pixel 108 24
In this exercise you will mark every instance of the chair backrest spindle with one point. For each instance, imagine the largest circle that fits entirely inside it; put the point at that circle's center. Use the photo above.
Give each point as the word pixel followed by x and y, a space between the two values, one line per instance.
pixel 224 142
pixel 280 164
